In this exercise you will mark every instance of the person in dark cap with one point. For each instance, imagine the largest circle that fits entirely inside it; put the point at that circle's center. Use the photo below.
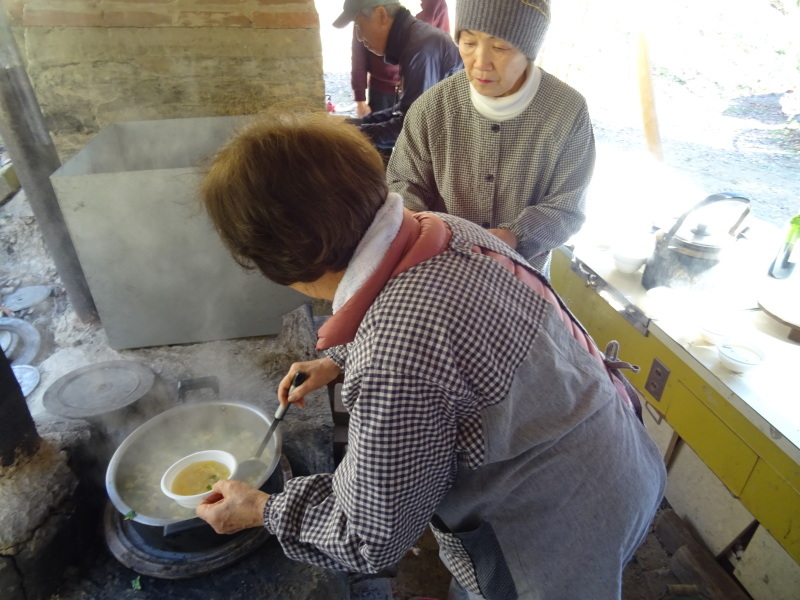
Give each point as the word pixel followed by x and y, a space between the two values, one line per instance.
pixel 375 83
pixel 424 54
pixel 503 144
pixel 371 75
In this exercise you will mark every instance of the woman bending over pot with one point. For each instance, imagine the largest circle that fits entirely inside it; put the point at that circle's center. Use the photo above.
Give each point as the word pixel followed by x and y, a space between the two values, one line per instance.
pixel 478 405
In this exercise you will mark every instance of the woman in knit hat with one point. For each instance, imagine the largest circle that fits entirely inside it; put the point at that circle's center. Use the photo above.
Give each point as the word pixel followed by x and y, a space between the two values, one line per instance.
pixel 502 143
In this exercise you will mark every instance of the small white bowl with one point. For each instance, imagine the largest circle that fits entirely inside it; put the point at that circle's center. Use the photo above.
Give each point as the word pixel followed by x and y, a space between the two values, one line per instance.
pixel 226 458
pixel 628 264
pixel 739 356
pixel 632 251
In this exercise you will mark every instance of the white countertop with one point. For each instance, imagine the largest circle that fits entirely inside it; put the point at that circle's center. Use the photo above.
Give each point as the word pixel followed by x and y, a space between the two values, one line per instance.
pixel 769 394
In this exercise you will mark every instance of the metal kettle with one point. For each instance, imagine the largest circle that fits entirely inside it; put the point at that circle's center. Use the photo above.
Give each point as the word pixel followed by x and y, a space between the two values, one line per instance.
pixel 690 256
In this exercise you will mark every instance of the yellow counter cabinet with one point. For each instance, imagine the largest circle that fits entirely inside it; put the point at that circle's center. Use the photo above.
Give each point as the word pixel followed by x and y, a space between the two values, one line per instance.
pixel 759 465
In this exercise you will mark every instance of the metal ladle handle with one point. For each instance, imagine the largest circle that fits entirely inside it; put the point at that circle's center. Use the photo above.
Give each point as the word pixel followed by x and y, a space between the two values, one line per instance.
pixel 299 378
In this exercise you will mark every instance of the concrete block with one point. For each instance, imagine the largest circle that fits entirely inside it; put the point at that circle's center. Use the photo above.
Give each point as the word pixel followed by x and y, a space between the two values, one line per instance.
pixel 53 548
pixel 767 571
pixel 42 530
pixel 699 497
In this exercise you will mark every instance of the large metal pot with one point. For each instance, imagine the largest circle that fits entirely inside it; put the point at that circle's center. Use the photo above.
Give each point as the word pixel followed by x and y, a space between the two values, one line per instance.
pixel 134 472
pixel 689 254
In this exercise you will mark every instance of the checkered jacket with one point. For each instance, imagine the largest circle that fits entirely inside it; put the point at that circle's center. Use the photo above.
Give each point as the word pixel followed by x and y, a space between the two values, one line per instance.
pixel 438 388
pixel 528 174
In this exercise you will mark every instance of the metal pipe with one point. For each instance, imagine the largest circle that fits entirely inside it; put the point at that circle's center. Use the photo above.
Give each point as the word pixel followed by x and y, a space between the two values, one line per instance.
pixel 34 156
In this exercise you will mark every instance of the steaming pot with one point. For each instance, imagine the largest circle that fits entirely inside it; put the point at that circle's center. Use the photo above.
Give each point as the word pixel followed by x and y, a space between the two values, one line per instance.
pixel 134 473
pixel 689 254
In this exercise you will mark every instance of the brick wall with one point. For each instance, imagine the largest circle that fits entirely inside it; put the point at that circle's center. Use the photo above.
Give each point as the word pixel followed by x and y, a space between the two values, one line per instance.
pixel 95 62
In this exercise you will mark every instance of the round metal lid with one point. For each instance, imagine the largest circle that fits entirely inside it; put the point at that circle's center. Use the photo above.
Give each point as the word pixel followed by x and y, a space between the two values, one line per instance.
pixel 97 389
pixel 26 297
pixel 700 237
pixel 24 340
pixel 27 377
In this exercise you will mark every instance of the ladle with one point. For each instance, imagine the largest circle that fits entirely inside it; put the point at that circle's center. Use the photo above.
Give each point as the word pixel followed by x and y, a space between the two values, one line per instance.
pixel 253 467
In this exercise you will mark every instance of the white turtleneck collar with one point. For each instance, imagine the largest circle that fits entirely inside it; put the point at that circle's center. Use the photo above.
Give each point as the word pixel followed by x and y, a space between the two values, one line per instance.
pixel 508 107
pixel 371 249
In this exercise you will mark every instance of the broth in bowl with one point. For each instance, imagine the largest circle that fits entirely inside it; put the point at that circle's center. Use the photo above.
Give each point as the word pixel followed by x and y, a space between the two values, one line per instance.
pixel 189 481
pixel 199 477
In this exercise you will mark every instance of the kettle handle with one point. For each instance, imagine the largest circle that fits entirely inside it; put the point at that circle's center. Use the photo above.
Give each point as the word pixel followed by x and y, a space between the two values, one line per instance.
pixel 710 200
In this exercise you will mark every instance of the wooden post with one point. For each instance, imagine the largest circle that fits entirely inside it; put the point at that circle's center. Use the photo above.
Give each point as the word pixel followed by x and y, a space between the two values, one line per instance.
pixel 649 117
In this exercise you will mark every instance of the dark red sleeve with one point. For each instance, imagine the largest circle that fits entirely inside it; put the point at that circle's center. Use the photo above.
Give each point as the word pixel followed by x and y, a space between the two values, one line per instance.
pixel 435 13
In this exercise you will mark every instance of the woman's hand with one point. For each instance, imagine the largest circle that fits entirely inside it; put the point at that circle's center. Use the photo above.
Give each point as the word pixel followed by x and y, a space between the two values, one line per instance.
pixel 233 506
pixel 318 373
pixel 505 235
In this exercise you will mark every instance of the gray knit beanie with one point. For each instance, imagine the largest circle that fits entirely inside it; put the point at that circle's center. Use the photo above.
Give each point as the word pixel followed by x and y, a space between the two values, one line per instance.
pixel 522 23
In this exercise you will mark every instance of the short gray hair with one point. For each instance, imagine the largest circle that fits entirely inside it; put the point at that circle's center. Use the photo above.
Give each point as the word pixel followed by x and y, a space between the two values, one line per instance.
pixel 391 10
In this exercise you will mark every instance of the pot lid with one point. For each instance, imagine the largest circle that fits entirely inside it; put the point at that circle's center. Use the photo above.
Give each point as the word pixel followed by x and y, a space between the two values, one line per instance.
pixel 97 389
pixel 26 297
pixel 701 236
pixel 21 340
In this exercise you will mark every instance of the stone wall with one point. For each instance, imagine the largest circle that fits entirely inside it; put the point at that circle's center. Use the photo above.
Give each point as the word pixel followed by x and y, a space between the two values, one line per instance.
pixel 95 62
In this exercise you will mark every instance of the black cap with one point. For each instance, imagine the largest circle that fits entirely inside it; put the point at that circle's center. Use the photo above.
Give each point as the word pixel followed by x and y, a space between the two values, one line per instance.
pixel 351 8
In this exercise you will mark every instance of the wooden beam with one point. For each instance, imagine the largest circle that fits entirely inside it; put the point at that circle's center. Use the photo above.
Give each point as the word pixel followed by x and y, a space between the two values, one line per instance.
pixel 647 97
